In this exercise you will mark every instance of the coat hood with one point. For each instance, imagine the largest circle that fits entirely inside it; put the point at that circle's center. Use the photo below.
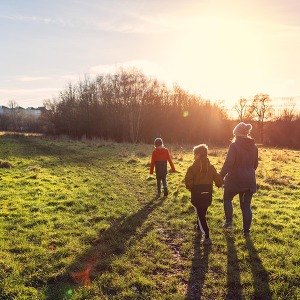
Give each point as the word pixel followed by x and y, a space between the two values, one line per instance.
pixel 203 164
pixel 246 143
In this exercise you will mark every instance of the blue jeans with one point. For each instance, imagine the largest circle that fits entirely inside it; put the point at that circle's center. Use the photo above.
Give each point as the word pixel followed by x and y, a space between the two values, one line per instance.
pixel 245 204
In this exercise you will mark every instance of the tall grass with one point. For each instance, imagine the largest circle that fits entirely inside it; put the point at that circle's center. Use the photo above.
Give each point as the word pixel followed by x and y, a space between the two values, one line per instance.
pixel 79 220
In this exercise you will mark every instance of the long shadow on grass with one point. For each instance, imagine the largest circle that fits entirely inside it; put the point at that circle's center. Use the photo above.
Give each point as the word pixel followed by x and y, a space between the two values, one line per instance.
pixel 67 151
pixel 198 271
pixel 35 146
pixel 260 275
pixel 101 254
pixel 234 287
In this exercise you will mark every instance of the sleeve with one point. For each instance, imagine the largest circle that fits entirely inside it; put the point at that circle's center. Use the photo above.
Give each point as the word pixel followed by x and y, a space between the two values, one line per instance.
pixel 217 178
pixel 256 159
pixel 152 163
pixel 170 161
pixel 229 161
pixel 188 179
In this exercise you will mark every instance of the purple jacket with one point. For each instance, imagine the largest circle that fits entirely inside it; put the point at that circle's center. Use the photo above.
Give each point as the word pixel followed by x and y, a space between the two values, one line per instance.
pixel 239 167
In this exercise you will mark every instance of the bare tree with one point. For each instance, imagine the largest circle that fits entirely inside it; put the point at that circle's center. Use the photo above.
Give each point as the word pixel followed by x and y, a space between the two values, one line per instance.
pixel 261 109
pixel 13 114
pixel 242 109
pixel 289 110
pixel 133 89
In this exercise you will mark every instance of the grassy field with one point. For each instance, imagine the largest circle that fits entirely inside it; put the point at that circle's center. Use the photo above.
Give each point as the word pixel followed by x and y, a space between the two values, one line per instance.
pixel 78 220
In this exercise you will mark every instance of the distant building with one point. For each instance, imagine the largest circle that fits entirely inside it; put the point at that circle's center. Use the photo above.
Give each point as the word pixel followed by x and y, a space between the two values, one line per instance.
pixel 3 109
pixel 35 112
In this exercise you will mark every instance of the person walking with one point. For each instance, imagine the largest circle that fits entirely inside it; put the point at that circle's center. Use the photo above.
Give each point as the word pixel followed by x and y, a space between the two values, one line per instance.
pixel 238 172
pixel 199 180
pixel 160 157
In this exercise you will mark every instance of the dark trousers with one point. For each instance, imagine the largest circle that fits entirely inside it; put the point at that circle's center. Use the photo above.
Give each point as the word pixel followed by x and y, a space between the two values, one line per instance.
pixel 201 212
pixel 161 179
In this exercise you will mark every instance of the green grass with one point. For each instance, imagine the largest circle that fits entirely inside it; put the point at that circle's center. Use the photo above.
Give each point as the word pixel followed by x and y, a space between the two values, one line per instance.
pixel 66 206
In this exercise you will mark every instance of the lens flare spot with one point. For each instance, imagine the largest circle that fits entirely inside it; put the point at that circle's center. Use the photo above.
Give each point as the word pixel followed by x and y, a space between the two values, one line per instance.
pixel 185 114
pixel 69 292
pixel 82 278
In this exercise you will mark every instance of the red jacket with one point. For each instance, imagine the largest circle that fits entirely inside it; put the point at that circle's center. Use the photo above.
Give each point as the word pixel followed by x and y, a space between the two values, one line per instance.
pixel 161 154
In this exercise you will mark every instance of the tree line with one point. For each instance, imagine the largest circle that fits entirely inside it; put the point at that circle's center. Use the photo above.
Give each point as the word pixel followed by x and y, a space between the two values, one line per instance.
pixel 131 107
pixel 281 130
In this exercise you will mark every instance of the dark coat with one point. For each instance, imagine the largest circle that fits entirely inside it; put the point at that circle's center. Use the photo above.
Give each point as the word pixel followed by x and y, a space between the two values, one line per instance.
pixel 239 167
pixel 199 180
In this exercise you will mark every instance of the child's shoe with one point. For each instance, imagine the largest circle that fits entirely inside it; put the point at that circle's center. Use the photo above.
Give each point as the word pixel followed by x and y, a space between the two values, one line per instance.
pixel 246 234
pixel 166 192
pixel 228 225
pixel 206 241
pixel 157 196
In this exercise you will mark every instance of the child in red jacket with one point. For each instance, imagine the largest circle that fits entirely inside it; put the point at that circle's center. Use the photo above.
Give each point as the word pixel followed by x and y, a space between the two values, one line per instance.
pixel 160 157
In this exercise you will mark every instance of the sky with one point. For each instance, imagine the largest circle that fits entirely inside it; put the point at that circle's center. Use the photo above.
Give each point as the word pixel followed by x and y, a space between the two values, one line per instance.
pixel 221 50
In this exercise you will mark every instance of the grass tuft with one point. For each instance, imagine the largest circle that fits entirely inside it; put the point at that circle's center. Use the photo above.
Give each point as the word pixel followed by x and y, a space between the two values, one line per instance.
pixel 5 164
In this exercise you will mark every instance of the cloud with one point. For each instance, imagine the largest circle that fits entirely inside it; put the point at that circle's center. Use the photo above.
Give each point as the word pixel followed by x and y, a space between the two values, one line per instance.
pixel 110 21
pixel 144 65
pixel 133 23
pixel 123 16
pixel 147 67
pixel 26 92
pixel 47 21
pixel 70 77
pixel 289 82
pixel 31 78
pixel 28 97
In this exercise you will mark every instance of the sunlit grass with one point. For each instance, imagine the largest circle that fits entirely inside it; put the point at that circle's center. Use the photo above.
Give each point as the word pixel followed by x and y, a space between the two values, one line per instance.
pixel 78 220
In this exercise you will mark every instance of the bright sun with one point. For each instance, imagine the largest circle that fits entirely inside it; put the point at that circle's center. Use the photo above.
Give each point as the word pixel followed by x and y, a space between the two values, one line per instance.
pixel 218 54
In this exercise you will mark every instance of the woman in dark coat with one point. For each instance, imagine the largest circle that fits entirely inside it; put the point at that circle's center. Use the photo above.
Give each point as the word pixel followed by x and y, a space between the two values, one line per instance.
pixel 238 172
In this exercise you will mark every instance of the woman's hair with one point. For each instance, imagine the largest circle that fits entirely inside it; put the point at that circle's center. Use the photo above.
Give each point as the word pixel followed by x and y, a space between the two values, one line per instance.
pixel 201 149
